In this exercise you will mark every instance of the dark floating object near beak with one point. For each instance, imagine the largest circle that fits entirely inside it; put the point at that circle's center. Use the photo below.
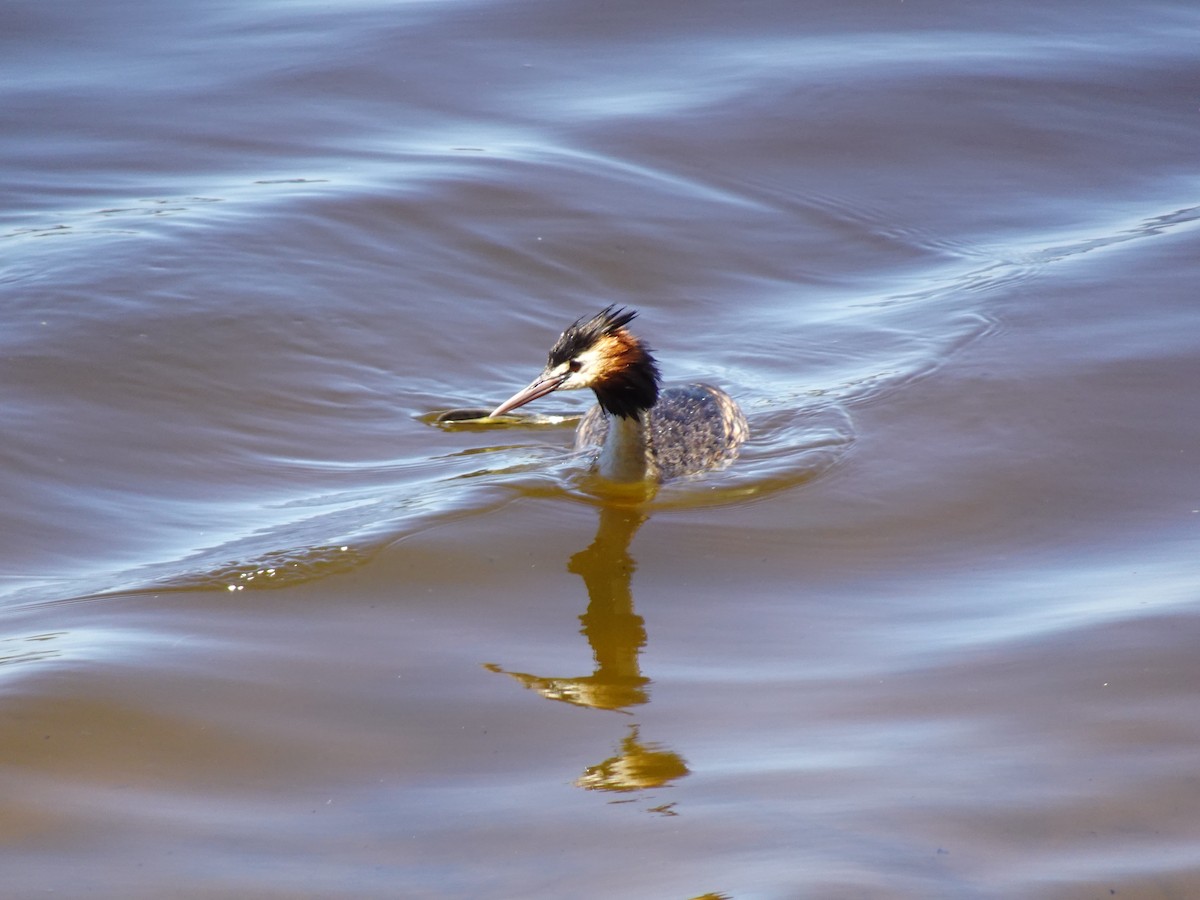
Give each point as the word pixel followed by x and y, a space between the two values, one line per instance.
pixel 644 433
pixel 462 415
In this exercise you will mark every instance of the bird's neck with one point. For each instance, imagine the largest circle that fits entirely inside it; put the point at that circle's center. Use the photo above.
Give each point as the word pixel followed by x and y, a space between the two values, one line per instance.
pixel 629 385
pixel 625 456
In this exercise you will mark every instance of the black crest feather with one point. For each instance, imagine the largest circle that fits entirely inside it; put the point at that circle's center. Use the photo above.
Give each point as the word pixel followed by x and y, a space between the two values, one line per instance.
pixel 584 332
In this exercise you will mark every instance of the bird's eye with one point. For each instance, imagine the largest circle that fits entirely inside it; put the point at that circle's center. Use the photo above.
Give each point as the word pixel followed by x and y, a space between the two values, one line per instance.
pixel 574 365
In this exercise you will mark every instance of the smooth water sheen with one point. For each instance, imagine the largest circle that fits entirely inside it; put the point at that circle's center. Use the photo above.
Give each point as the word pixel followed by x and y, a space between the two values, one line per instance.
pixel 271 629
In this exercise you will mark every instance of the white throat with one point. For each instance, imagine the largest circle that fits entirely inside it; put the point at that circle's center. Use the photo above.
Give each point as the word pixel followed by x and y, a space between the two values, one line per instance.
pixel 625 454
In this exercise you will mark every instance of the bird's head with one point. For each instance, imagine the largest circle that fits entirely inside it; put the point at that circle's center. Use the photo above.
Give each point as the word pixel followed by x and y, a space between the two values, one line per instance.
pixel 601 354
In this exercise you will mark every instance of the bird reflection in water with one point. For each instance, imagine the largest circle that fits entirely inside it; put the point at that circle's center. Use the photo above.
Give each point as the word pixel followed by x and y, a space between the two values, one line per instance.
pixel 639 765
pixel 616 635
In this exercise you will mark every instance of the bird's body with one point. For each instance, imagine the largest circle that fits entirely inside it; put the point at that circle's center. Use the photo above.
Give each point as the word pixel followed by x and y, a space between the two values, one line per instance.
pixel 644 433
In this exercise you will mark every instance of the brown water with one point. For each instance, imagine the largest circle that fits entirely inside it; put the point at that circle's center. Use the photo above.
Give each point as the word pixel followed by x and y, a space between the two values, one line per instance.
pixel 271 631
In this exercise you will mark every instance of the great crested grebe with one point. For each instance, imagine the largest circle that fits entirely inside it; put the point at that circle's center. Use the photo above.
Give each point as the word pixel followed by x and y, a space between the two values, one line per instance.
pixel 644 433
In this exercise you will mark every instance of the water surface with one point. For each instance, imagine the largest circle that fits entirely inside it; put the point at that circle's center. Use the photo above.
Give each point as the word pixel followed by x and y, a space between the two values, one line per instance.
pixel 271 631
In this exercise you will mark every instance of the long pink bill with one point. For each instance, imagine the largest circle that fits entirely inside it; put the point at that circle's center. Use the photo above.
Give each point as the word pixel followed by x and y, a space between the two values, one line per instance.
pixel 540 387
